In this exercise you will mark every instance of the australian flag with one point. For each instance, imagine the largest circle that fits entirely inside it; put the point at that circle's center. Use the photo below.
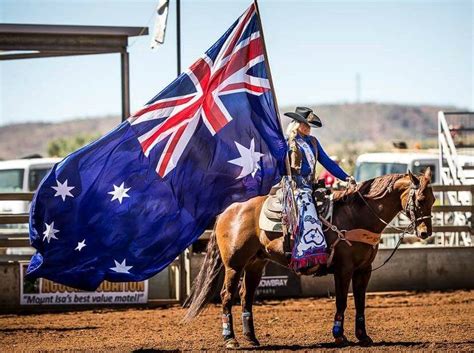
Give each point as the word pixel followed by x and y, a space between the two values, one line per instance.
pixel 123 207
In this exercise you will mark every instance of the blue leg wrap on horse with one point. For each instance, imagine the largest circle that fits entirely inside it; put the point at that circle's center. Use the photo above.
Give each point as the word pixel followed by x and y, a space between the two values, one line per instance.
pixel 337 329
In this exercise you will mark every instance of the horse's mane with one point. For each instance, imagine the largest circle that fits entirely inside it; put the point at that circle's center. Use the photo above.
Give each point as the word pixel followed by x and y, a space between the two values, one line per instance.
pixel 372 189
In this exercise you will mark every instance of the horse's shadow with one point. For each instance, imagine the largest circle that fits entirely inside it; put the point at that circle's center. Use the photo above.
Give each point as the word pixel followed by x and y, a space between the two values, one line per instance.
pixel 152 350
pixel 330 345
pixel 47 328
pixel 325 345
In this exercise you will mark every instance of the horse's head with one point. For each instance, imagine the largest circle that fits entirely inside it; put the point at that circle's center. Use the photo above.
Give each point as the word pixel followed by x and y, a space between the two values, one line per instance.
pixel 417 202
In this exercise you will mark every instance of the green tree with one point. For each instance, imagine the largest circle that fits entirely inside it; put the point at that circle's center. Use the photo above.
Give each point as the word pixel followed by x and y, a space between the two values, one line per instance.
pixel 61 147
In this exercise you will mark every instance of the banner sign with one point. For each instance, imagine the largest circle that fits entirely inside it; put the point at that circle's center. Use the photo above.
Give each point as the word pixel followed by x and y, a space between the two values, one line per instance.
pixel 278 282
pixel 45 292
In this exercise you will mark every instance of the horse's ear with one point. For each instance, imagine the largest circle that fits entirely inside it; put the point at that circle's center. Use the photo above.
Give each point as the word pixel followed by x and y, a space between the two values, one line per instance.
pixel 428 174
pixel 414 180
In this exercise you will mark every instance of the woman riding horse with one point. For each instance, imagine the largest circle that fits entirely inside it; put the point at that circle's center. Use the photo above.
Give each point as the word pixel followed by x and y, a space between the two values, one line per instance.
pixel 239 248
pixel 309 254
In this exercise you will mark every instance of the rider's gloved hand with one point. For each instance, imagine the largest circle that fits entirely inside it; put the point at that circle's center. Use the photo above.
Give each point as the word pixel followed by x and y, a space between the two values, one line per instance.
pixel 351 180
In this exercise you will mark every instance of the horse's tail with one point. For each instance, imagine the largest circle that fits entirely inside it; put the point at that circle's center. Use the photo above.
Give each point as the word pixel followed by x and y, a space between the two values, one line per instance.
pixel 203 288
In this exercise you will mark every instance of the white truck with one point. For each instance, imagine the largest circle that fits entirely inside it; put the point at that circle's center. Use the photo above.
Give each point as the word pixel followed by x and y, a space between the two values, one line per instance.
pixel 22 175
pixel 371 165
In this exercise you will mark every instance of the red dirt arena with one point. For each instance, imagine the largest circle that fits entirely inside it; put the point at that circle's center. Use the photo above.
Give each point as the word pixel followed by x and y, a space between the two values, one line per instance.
pixel 403 321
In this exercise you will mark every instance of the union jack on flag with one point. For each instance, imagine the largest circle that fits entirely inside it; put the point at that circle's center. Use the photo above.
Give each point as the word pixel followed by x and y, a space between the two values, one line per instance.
pixel 217 74
pixel 123 207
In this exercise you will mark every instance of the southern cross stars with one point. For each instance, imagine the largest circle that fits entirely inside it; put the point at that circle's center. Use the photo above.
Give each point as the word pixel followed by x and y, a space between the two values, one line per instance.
pixel 121 267
pixel 119 193
pixel 248 160
pixel 50 232
pixel 63 190
pixel 80 245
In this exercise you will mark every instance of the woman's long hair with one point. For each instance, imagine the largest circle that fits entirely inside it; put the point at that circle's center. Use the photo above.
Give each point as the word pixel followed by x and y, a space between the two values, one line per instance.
pixel 291 132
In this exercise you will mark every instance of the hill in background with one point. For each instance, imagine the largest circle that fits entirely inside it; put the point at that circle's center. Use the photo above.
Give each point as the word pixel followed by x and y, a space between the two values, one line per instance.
pixel 370 125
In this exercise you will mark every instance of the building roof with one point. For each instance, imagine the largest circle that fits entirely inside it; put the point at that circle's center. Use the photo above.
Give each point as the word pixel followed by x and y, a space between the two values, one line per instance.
pixel 21 41
pixel 72 30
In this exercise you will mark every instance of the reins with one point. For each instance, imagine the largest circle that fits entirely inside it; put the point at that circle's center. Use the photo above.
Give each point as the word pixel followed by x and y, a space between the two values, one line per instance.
pixel 409 211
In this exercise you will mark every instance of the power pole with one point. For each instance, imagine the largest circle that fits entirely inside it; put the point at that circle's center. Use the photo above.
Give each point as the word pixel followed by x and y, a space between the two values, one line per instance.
pixel 358 87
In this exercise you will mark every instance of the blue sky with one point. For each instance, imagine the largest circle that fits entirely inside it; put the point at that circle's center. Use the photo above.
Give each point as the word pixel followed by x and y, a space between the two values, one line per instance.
pixel 415 52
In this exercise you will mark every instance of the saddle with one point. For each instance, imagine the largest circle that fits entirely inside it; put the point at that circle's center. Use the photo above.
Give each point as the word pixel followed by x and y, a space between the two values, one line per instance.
pixel 273 206
pixel 270 215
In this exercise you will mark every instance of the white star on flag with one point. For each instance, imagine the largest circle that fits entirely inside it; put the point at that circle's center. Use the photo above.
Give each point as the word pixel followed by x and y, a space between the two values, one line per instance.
pixel 121 267
pixel 119 193
pixel 50 232
pixel 63 190
pixel 80 245
pixel 248 160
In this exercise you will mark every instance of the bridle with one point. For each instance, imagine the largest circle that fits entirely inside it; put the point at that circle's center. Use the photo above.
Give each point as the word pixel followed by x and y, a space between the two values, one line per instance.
pixel 410 210
pixel 412 207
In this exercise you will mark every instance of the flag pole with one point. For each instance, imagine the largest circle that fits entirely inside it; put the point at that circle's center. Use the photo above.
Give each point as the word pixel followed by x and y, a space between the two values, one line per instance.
pixel 270 79
pixel 183 273
pixel 286 233
pixel 178 37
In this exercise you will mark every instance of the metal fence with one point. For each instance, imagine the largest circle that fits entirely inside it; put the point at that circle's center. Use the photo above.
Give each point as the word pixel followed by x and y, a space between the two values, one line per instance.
pixel 452 224
pixel 452 227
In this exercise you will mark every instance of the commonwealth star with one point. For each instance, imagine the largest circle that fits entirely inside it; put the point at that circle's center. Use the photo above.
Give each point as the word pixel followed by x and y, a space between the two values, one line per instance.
pixel 249 159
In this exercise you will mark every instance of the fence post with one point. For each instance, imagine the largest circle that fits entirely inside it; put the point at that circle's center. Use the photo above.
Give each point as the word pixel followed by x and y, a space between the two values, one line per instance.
pixel 182 277
pixel 472 206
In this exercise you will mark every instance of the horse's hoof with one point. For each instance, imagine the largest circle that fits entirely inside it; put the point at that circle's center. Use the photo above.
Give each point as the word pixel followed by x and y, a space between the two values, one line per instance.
pixel 341 341
pixel 252 340
pixel 231 343
pixel 365 341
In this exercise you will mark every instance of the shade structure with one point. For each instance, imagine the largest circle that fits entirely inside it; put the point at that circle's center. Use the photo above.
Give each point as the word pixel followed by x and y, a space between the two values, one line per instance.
pixel 28 41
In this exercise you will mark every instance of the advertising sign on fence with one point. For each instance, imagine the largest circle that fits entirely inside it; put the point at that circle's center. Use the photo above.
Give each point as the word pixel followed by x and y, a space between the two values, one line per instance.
pixel 45 292
pixel 278 282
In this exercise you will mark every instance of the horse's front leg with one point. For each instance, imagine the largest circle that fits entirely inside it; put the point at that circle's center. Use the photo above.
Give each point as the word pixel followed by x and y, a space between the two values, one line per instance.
pixel 360 280
pixel 252 276
pixel 342 278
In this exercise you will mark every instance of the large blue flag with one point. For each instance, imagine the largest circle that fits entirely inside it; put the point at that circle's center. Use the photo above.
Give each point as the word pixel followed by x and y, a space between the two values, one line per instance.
pixel 123 207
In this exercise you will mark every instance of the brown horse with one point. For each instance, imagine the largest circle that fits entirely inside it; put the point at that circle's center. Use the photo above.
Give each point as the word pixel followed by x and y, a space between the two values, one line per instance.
pixel 239 247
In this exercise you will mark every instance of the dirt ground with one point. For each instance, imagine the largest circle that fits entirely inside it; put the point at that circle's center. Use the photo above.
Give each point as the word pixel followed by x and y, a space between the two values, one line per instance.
pixel 396 322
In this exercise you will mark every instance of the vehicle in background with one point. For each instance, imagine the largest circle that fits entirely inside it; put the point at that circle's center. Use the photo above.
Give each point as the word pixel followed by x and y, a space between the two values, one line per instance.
pixel 22 175
pixel 371 165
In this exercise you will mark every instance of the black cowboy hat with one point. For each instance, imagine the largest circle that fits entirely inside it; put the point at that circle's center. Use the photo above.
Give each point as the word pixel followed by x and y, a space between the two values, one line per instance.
pixel 305 115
